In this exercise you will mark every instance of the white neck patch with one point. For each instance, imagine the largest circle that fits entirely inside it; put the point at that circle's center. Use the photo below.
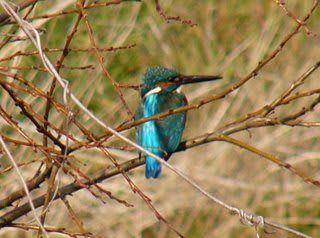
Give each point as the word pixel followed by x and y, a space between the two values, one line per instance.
pixel 152 91
pixel 179 89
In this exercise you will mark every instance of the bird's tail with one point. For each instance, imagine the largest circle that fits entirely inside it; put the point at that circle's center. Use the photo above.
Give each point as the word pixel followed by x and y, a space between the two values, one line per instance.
pixel 151 141
pixel 153 168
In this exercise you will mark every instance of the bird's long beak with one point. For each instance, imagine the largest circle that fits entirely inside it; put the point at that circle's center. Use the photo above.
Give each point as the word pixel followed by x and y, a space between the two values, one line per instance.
pixel 188 79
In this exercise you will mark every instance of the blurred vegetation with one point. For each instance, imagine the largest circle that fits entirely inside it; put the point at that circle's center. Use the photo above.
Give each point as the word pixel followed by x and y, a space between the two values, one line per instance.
pixel 230 38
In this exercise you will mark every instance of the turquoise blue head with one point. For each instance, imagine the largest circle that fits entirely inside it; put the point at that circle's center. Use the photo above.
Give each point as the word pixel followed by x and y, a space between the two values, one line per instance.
pixel 162 80
pixel 158 76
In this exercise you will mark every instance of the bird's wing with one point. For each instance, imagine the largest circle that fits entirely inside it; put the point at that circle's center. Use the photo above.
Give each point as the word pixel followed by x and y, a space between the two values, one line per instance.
pixel 171 128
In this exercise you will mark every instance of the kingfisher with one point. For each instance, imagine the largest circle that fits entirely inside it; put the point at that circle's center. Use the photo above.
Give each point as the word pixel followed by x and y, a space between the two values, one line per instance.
pixel 160 93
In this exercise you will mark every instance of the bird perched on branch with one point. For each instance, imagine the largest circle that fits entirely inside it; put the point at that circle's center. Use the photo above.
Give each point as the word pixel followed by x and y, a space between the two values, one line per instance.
pixel 159 94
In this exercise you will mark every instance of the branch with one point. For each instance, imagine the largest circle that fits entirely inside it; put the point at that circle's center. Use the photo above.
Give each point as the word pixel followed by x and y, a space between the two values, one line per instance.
pixel 172 18
pixel 25 187
pixel 247 218
pixel 4 16
pixel 270 157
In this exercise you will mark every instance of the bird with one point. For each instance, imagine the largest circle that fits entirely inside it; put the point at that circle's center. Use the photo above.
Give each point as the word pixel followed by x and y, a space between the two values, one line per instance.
pixel 160 93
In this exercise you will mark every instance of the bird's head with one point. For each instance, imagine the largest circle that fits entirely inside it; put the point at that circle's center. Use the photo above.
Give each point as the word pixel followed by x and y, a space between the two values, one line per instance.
pixel 164 80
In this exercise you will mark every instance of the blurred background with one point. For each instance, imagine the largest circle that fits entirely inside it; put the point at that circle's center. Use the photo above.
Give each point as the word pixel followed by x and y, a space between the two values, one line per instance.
pixel 230 38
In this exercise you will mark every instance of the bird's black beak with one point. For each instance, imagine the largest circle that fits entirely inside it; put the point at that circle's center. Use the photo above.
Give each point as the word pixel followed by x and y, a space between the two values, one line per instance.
pixel 188 79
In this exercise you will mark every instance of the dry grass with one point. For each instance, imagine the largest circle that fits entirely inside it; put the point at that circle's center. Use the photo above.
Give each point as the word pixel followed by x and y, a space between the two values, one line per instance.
pixel 230 38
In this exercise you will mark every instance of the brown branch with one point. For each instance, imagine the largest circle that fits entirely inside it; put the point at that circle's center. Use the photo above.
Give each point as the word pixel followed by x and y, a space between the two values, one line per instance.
pixel 11 167
pixel 73 11
pixel 281 100
pixel 24 108
pixel 282 5
pixel 39 68
pixel 34 145
pixel 61 231
pixel 270 157
pixel 87 178
pixel 136 189
pixel 172 18
pixel 74 216
pixel 301 95
pixel 16 29
pixel 49 164
pixel 9 217
pixel 20 193
pixel 58 50
pixel 4 16
pixel 101 60
pixel 293 86
pixel 34 90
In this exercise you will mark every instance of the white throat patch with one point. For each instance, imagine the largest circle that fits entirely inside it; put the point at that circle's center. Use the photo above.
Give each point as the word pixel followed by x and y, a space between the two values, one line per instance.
pixel 152 91
pixel 179 90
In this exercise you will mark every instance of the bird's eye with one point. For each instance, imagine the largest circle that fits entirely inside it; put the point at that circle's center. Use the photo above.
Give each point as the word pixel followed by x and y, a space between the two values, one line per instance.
pixel 174 79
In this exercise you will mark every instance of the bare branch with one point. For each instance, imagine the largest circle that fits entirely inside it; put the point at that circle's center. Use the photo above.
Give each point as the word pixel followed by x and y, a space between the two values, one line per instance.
pixel 24 184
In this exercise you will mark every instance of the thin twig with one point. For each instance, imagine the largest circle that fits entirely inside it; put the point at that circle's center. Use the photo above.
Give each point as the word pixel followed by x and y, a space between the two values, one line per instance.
pixel 172 18
pixel 61 231
pixel 24 184
pixel 282 5
pixel 101 60
pixel 58 50
pixel 21 6
pixel 73 11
